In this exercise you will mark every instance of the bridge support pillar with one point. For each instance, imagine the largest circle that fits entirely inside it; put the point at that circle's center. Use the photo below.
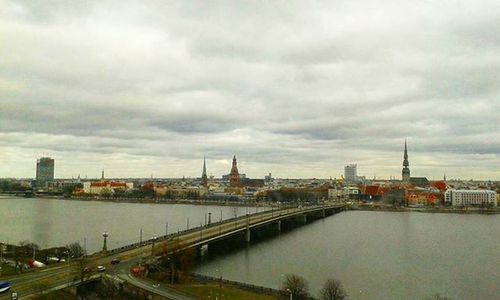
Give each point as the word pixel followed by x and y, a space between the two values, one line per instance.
pixel 279 227
pixel 324 213
pixel 247 235
pixel 304 218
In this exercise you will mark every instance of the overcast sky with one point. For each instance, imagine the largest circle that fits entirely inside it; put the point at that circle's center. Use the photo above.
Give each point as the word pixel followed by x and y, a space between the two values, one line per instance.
pixel 296 88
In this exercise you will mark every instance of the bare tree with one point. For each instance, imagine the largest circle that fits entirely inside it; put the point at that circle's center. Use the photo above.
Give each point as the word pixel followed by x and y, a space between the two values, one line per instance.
pixel 75 250
pixel 333 290
pixel 295 285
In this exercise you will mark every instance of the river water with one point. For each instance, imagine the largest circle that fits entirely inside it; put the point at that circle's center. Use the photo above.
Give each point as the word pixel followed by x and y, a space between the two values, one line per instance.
pixel 54 222
pixel 379 255
pixel 376 255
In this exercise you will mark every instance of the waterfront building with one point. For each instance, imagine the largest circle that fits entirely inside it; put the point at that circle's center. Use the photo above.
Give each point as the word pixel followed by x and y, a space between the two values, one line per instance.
pixel 268 178
pixel 470 197
pixel 234 176
pixel 44 171
pixel 101 187
pixel 406 170
pixel 351 172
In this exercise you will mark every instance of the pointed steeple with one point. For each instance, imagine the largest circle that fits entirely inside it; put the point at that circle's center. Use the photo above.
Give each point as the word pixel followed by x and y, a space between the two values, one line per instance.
pixel 405 157
pixel 204 172
pixel 102 175
pixel 406 170
pixel 204 178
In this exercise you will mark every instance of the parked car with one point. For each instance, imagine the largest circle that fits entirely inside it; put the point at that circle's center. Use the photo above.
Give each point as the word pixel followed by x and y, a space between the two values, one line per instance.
pixel 115 261
pixel 101 268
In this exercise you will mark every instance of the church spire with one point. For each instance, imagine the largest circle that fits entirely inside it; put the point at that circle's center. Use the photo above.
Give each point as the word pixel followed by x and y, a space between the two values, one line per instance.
pixel 204 172
pixel 102 175
pixel 204 178
pixel 406 170
pixel 405 157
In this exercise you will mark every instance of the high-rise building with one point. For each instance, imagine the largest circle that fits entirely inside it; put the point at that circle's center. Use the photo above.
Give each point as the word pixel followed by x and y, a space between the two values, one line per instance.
pixel 351 172
pixel 44 171
pixel 234 175
pixel 406 170
pixel 204 178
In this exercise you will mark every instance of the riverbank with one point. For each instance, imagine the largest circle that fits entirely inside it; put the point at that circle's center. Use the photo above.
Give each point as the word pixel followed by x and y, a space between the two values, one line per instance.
pixel 445 210
pixel 157 201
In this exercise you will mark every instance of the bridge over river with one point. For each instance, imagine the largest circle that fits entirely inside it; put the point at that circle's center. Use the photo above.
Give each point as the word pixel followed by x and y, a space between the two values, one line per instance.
pixel 202 237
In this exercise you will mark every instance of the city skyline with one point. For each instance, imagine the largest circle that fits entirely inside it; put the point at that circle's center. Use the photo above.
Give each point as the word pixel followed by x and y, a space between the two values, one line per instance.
pixel 293 89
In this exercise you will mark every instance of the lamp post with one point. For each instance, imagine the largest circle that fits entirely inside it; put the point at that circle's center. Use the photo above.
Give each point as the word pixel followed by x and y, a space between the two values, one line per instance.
pixel 220 222
pixel 153 245
pixel 291 294
pixel 105 246
pixel 235 218
pixel 209 218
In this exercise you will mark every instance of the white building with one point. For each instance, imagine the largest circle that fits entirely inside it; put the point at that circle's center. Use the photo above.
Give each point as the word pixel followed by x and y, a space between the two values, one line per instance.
pixel 98 187
pixel 351 172
pixel 346 192
pixel 470 197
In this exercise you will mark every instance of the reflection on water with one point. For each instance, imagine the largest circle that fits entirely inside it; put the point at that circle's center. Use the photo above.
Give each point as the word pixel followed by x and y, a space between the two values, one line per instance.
pixel 379 255
pixel 52 222
pixel 41 229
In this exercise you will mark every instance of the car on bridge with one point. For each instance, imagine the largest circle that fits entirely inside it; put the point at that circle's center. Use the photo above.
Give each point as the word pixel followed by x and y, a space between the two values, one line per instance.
pixel 4 286
pixel 101 268
pixel 115 261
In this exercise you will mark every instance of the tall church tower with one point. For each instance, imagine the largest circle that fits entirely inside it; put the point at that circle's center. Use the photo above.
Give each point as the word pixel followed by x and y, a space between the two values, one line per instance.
pixel 234 175
pixel 204 178
pixel 406 164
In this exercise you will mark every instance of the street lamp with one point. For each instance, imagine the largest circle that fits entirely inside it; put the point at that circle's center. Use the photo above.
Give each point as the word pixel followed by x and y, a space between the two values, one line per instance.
pixel 104 246
pixel 291 294
pixel 153 245
pixel 220 222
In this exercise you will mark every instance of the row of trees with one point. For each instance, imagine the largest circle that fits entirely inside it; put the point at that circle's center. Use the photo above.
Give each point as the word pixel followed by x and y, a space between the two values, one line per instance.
pixel 10 185
pixel 297 287
pixel 26 250
pixel 285 194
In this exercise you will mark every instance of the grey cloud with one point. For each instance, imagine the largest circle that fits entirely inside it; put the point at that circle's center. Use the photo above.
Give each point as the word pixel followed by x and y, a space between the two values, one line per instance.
pixel 299 88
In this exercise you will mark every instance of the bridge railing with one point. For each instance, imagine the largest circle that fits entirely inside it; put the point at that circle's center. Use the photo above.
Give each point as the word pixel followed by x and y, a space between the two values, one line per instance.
pixel 211 225
pixel 245 286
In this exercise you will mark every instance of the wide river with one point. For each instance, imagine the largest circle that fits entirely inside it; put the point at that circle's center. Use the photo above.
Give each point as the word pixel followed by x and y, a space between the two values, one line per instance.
pixel 54 222
pixel 376 255
pixel 379 255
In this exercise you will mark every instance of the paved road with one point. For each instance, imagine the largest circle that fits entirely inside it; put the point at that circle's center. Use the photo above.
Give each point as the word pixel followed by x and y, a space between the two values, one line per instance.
pixel 154 287
pixel 31 283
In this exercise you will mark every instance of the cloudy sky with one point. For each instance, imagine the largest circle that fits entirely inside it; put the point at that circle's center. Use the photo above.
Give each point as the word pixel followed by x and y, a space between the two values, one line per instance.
pixel 296 88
